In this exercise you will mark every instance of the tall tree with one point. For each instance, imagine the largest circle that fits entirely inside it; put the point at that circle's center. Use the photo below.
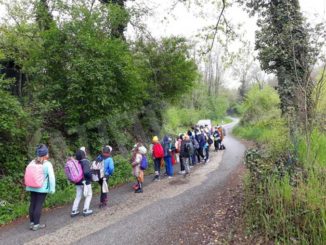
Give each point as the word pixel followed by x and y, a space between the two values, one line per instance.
pixel 119 29
pixel 283 45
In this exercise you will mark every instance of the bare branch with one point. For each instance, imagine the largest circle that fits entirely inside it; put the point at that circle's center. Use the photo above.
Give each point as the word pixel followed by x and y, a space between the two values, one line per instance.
pixel 216 27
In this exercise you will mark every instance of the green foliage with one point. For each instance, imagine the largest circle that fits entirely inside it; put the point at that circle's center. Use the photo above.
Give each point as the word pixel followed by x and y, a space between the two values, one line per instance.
pixel 13 130
pixel 285 196
pixel 288 54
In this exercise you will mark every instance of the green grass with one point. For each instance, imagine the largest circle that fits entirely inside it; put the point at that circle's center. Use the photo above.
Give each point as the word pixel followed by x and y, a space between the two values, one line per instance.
pixel 280 210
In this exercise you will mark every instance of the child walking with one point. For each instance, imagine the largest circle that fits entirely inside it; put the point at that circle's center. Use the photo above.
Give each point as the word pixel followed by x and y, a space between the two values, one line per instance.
pixel 84 183
pixel 39 181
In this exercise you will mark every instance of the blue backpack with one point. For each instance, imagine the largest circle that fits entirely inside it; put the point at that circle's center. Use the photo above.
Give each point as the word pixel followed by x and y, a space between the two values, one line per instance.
pixel 144 163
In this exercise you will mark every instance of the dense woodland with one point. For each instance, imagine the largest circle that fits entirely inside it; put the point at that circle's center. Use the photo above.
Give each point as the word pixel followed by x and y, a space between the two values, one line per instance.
pixel 71 77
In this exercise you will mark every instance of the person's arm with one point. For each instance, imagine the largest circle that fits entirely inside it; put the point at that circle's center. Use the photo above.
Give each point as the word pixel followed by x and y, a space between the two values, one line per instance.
pixel 51 177
pixel 137 160
pixel 86 169
pixel 109 166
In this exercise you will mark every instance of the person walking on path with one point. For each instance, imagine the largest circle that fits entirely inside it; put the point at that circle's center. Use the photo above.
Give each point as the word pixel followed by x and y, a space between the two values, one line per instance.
pixel 139 153
pixel 102 169
pixel 167 147
pixel 200 137
pixel 217 139
pixel 187 150
pixel 39 181
pixel 84 186
pixel 157 154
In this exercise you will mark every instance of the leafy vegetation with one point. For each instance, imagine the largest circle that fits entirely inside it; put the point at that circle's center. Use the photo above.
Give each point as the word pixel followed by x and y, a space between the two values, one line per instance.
pixel 285 195
pixel 74 80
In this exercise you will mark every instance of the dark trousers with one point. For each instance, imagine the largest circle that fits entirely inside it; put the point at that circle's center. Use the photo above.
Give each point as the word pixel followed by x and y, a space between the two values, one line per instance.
pixel 157 165
pixel 35 207
pixel 216 145
pixel 182 166
pixel 207 152
pixel 200 154
pixel 193 159
pixel 104 196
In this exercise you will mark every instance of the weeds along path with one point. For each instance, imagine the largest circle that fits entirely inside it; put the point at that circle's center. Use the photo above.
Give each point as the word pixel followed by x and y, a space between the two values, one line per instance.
pixel 135 218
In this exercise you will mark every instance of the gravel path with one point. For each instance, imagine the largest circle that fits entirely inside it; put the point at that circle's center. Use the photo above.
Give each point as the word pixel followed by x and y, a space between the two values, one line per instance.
pixel 160 215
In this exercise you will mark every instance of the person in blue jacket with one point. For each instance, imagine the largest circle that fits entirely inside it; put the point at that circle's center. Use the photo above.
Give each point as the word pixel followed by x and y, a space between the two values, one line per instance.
pixel 106 172
pixel 38 195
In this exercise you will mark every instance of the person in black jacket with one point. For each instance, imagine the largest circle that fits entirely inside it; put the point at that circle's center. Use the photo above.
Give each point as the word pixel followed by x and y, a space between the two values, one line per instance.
pixel 187 150
pixel 85 183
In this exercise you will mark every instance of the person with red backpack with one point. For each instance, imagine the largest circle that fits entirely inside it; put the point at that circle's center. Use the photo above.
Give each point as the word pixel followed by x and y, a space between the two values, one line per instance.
pixel 83 187
pixel 39 181
pixel 157 154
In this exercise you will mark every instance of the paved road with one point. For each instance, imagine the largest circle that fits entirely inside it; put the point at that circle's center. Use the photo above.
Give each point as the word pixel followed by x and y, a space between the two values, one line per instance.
pixel 135 218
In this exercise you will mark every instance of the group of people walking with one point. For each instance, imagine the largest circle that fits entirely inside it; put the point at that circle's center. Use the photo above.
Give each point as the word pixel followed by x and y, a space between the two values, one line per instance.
pixel 188 149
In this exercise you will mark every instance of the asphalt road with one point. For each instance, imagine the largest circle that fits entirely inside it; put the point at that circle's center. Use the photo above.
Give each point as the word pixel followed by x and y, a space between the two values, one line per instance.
pixel 136 218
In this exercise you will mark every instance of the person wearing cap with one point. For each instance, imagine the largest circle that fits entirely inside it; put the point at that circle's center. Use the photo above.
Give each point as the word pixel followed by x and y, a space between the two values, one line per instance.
pixel 139 151
pixel 167 147
pixel 38 195
pixel 187 149
pixel 105 172
pixel 157 154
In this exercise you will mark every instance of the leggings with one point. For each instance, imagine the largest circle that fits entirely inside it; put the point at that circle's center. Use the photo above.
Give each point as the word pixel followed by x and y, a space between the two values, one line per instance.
pixel 35 208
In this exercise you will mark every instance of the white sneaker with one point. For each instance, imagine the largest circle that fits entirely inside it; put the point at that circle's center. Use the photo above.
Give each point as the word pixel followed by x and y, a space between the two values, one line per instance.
pixel 182 172
pixel 87 212
pixel 170 177
pixel 74 213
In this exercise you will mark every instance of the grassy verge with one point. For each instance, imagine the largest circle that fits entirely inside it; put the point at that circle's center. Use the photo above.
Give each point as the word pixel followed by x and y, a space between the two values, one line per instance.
pixel 285 198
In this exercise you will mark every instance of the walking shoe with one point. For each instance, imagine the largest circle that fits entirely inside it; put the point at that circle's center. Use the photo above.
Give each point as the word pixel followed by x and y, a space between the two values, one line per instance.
pixel 182 172
pixel 74 213
pixel 38 226
pixel 103 205
pixel 31 225
pixel 139 190
pixel 170 177
pixel 156 178
pixel 207 160
pixel 87 212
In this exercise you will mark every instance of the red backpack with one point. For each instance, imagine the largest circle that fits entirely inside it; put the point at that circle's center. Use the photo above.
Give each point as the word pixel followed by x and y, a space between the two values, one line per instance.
pixel 158 151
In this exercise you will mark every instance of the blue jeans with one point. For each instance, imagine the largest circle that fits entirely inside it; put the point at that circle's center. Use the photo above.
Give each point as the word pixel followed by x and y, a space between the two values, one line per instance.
pixel 168 165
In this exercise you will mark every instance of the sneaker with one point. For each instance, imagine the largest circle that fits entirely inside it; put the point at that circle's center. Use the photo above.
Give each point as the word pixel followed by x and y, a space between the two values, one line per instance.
pixel 207 160
pixel 38 227
pixel 31 225
pixel 156 178
pixel 74 213
pixel 170 177
pixel 87 212
pixel 139 190
pixel 182 172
